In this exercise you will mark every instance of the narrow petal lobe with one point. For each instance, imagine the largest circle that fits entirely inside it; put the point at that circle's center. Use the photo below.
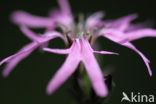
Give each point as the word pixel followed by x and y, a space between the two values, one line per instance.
pixel 63 73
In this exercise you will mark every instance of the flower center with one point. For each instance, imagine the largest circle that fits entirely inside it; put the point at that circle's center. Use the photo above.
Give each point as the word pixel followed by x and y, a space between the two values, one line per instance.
pixel 80 29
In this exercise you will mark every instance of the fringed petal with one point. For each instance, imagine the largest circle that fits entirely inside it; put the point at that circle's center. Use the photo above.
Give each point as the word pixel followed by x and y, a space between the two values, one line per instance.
pixel 146 61
pixel 141 33
pixel 65 8
pixel 105 52
pixel 94 20
pixel 58 51
pixel 24 18
pixel 13 60
pixel 63 73
pixel 122 23
pixel 93 70
pixel 27 32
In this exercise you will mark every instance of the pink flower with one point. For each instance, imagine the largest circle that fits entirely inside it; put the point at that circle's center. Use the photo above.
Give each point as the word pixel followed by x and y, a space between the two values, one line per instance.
pixel 79 51
pixel 82 36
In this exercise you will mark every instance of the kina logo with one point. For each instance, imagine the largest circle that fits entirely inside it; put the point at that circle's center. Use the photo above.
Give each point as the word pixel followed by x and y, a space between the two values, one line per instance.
pixel 137 97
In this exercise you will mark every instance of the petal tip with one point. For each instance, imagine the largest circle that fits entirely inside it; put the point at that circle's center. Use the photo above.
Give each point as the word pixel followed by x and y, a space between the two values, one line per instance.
pixel 101 89
pixel 45 49
pixel 150 73
pixel 49 91
pixel 15 16
pixel 115 53
pixel 5 73
pixel 103 93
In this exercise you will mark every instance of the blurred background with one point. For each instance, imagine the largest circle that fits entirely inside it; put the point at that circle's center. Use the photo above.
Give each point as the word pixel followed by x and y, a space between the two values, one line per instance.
pixel 27 82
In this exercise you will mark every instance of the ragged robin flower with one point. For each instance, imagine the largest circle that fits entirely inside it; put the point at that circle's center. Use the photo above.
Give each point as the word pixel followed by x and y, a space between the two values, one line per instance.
pixel 82 36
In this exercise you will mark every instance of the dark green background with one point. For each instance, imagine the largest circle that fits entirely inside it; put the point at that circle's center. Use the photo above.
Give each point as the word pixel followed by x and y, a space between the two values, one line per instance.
pixel 27 83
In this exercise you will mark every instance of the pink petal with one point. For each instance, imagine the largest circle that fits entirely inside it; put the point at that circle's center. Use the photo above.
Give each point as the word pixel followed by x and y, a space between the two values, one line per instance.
pixel 141 33
pixel 131 46
pixel 40 38
pixel 137 26
pixel 105 52
pixel 60 18
pixel 118 39
pixel 27 32
pixel 63 16
pixel 122 23
pixel 8 58
pixel 113 35
pixel 54 12
pixel 93 70
pixel 65 8
pixel 58 51
pixel 63 73
pixel 12 62
pixel 125 21
pixel 23 18
pixel 94 20
pixel 51 35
